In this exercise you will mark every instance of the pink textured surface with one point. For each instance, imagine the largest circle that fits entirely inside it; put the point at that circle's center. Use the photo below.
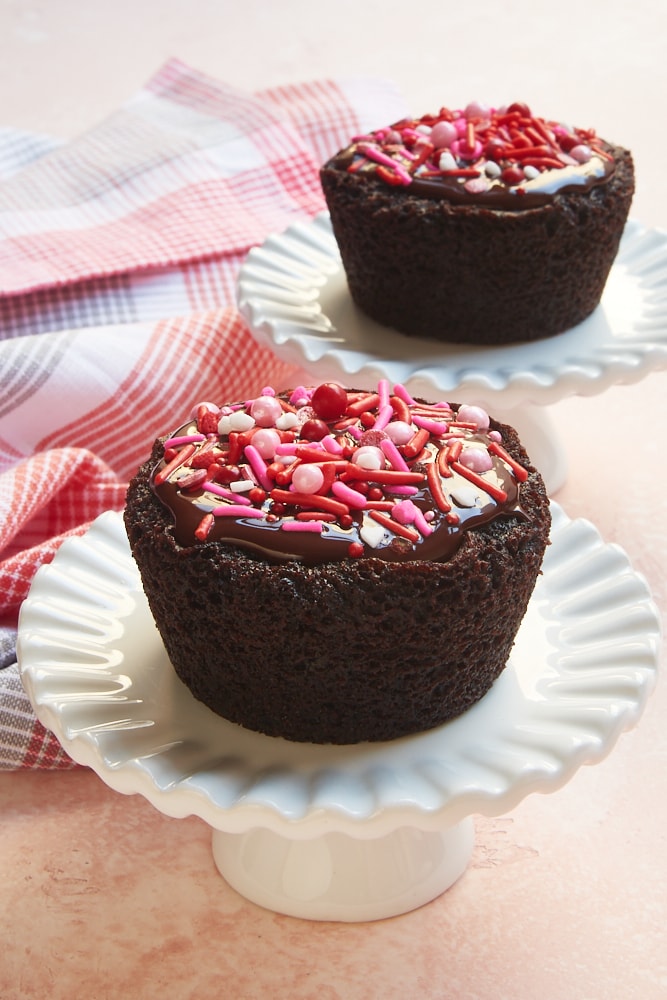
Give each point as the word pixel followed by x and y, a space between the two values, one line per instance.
pixel 566 897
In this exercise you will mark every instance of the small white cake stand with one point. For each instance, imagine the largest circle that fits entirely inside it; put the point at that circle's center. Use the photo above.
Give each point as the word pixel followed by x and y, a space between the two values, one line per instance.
pixel 352 832
pixel 293 293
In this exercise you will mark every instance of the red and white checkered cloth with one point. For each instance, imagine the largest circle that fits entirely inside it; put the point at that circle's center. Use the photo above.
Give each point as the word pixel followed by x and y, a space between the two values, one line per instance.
pixel 119 253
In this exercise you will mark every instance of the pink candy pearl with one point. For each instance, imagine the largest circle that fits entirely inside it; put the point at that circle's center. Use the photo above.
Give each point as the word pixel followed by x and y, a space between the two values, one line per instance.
pixel 476 459
pixel 399 431
pixel 211 407
pixel 266 441
pixel 581 153
pixel 265 410
pixel 443 134
pixel 474 415
pixel 307 478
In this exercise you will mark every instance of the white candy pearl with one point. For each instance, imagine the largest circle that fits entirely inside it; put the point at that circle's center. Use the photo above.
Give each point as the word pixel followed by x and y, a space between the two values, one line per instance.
pixel 307 478
pixel 369 457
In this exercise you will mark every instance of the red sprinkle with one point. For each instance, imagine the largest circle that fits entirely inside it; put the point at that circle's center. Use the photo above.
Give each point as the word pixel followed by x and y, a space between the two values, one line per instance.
pixel 494 491
pixel 399 529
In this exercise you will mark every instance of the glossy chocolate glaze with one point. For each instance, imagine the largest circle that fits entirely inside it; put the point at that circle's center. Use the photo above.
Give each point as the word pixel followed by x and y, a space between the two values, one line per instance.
pixel 470 505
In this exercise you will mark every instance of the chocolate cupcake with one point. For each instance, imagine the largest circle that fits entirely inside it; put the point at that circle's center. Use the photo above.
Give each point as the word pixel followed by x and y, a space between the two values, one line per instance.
pixel 336 566
pixel 481 226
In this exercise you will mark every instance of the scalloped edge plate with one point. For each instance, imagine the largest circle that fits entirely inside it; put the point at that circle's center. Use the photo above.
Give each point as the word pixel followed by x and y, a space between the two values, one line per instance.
pixel 97 675
pixel 293 294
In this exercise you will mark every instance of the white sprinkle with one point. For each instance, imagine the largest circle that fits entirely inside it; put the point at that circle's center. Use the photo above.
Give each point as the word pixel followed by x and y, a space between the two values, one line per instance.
pixel 371 532
pixel 242 485
pixel 465 496
pixel 241 421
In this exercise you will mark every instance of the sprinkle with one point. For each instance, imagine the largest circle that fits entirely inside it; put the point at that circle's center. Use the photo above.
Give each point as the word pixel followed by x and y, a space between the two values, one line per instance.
pixel 398 529
pixel 363 405
pixel 353 498
pixel 310 500
pixel 416 443
pixel 163 475
pixel 177 442
pixel 518 470
pixel 494 491
pixel 393 455
pixel 258 465
pixel 403 394
pixel 203 529
pixel 438 429
pixel 435 485
pixel 314 526
pixel 385 413
pixel 389 477
pixel 237 510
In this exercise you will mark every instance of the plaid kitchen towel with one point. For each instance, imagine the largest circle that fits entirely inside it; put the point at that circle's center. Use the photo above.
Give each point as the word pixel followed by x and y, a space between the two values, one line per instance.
pixel 119 253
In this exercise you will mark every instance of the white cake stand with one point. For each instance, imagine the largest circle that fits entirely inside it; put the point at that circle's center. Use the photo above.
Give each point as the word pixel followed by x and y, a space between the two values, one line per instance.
pixel 294 296
pixel 338 833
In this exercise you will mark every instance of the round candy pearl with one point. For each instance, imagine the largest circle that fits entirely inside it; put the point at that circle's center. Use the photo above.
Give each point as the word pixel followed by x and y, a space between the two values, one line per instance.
pixel 399 431
pixel 474 415
pixel 211 407
pixel 477 110
pixel 266 410
pixel 266 441
pixel 581 153
pixel 369 457
pixel 307 478
pixel 476 459
pixel 443 134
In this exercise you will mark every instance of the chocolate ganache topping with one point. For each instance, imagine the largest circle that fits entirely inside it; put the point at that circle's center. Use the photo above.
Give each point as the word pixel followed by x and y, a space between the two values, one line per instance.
pixel 502 157
pixel 325 474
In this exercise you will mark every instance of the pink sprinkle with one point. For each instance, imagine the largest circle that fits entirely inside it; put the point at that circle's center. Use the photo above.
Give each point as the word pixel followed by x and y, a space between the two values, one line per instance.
pixel 432 426
pixel 315 526
pixel 353 498
pixel 289 448
pixel 402 393
pixel 258 466
pixel 176 442
pixel 383 392
pixel 375 154
pixel 421 524
pixel 221 491
pixel 332 446
pixel 385 413
pixel 299 396
pixel 405 491
pixel 354 432
pixel 393 455
pixel 237 510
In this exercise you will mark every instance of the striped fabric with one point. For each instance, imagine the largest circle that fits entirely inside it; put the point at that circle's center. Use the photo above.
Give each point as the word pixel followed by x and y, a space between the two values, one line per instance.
pixel 119 253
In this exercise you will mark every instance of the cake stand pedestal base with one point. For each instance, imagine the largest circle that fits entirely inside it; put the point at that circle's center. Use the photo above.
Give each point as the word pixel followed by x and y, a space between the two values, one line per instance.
pixel 338 877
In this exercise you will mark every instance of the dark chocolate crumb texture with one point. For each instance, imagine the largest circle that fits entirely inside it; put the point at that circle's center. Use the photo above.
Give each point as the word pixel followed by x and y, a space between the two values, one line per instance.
pixel 334 566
